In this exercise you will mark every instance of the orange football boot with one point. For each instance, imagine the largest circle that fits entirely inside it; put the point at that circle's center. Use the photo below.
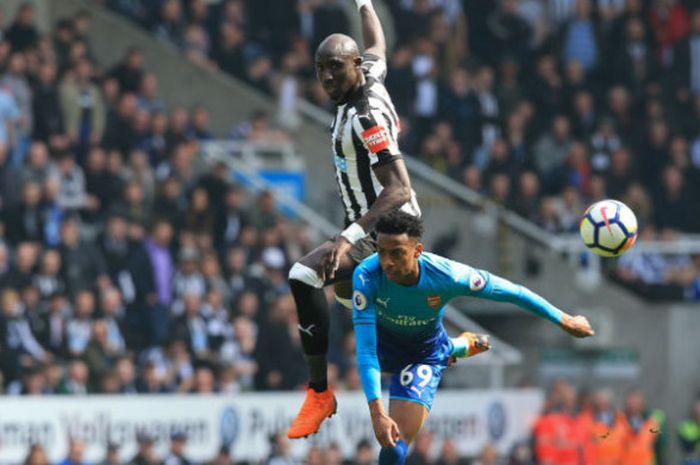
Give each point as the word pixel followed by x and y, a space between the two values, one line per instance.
pixel 317 407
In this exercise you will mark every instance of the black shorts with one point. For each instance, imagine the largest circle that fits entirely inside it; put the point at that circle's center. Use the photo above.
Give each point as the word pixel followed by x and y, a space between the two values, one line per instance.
pixel 363 248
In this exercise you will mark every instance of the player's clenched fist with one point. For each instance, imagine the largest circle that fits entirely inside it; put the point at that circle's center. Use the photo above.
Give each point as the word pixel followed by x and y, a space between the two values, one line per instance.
pixel 577 326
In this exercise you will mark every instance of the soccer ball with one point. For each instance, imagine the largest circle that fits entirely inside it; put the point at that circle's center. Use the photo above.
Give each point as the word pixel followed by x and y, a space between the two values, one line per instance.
pixel 608 228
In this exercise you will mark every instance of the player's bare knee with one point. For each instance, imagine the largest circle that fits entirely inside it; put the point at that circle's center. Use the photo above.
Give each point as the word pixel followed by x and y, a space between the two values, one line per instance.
pixel 305 274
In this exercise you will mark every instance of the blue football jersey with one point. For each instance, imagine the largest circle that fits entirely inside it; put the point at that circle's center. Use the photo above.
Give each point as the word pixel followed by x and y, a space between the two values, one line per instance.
pixel 397 325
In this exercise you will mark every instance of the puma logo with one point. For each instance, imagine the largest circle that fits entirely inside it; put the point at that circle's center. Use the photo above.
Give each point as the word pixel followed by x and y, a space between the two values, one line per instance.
pixel 384 303
pixel 306 330
pixel 362 278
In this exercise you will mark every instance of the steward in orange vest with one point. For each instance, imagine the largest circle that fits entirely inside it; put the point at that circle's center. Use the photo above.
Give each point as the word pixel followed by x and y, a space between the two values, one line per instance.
pixel 641 432
pixel 604 431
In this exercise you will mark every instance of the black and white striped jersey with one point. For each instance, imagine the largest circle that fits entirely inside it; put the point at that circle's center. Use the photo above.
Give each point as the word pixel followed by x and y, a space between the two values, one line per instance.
pixel 365 134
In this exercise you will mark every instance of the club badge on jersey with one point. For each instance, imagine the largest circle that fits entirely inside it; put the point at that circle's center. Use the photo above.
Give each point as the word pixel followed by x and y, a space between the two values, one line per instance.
pixel 377 138
pixel 434 301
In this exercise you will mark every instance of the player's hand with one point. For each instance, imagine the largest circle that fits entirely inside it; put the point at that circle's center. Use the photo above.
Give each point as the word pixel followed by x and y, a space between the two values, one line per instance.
pixel 385 429
pixel 331 261
pixel 577 326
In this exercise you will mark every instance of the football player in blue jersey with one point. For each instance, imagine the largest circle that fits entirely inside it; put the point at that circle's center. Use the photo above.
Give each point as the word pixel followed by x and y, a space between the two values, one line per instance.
pixel 399 297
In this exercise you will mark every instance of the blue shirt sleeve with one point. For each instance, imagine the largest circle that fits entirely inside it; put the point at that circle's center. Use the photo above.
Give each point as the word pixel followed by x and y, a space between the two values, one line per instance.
pixel 364 320
pixel 479 283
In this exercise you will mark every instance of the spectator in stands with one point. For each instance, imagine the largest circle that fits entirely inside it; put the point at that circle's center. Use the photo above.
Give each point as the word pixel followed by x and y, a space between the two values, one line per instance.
pixel 176 456
pixel 450 456
pixel 79 327
pixel 25 221
pixel 223 457
pixel 120 131
pixel 689 435
pixel 20 347
pixel 82 262
pixel 9 180
pixel 48 280
pixel 15 81
pixel 146 454
pixel 673 206
pixel 148 96
pixel 36 456
pixel 9 117
pixel 76 380
pixel 111 455
pixel 421 451
pixel 37 167
pixel 129 73
pixel 114 246
pixel 488 455
pixel 170 27
pixel 280 451
pixel 521 454
pixel 126 375
pixel 84 113
pixel 23 33
pixel 151 268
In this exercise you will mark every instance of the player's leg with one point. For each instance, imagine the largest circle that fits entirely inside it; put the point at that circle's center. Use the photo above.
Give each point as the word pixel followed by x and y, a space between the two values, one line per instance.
pixel 312 309
pixel 411 395
pixel 343 285
pixel 410 417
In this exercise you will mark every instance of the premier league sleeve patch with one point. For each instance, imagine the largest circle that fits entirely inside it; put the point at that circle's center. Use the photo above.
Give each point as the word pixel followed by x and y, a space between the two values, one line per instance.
pixel 359 300
pixel 476 281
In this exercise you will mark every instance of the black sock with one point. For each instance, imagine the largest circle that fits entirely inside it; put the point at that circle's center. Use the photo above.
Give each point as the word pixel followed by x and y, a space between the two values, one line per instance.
pixel 312 310
pixel 319 386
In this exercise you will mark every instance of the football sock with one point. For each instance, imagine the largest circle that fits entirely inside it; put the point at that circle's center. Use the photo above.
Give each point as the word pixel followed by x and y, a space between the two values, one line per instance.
pixel 312 310
pixel 394 455
pixel 460 346
pixel 317 372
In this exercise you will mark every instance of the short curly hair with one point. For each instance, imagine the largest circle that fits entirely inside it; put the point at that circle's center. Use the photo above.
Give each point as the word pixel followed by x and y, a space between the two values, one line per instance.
pixel 399 222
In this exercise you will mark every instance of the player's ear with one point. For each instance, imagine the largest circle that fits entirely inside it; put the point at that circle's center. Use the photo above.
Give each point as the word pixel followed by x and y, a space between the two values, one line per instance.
pixel 419 249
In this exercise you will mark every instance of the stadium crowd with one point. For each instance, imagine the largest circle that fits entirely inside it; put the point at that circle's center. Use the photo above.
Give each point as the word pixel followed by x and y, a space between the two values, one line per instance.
pixel 543 106
pixel 103 196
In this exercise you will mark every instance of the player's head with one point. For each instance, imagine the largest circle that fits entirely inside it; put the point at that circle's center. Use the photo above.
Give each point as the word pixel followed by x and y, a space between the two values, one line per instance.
pixel 399 246
pixel 338 66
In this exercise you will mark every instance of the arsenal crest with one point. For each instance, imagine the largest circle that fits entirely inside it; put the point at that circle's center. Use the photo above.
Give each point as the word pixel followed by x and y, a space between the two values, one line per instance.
pixel 434 301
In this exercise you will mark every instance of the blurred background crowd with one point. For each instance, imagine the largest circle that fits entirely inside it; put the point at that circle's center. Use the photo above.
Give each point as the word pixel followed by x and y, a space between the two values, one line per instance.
pixel 129 266
pixel 543 106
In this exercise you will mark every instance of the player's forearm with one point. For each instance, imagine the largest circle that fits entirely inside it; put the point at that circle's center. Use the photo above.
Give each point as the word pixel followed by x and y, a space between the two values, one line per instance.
pixel 391 198
pixel 364 323
pixel 372 32
pixel 371 378
pixel 502 290
pixel 376 407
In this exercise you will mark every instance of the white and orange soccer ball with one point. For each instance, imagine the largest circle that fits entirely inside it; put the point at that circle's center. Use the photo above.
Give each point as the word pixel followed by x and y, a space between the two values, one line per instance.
pixel 608 228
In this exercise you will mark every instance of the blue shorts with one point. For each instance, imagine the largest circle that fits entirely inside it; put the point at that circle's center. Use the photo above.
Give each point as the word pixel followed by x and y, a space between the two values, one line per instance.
pixel 416 365
pixel 416 382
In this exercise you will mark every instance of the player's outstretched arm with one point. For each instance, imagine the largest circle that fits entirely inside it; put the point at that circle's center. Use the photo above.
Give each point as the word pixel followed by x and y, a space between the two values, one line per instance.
pixel 372 32
pixel 488 286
